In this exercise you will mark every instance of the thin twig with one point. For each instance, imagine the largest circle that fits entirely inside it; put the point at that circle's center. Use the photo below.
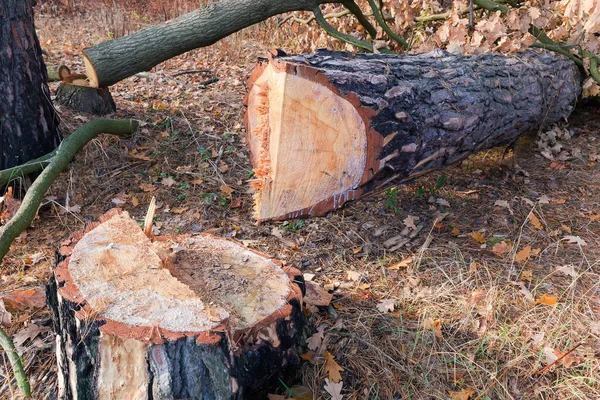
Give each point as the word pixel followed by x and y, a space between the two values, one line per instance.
pixel 191 71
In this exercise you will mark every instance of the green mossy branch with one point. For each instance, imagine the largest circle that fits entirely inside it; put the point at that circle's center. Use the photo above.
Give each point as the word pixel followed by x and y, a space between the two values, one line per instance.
pixel 58 161
pixel 362 19
pixel 386 27
pixel 20 171
pixel 15 363
pixel 361 44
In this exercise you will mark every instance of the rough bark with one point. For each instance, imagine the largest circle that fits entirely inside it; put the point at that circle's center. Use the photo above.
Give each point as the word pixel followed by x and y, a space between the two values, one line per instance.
pixel 330 127
pixel 112 61
pixel 28 123
pixel 86 99
pixel 181 317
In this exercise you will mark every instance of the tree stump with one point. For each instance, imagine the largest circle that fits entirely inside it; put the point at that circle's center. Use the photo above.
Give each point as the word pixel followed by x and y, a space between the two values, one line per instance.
pixel 86 99
pixel 181 317
pixel 330 127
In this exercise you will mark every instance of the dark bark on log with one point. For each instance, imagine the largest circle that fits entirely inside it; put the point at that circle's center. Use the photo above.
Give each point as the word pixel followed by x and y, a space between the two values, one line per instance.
pixel 86 99
pixel 28 123
pixel 393 117
pixel 238 356
pixel 112 61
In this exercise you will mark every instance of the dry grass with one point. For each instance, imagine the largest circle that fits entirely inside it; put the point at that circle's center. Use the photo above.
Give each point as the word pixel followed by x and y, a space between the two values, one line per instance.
pixel 462 320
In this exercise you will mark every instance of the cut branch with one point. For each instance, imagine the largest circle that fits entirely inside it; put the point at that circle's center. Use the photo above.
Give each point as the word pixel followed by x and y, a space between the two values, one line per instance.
pixel 110 62
pixel 57 163
pixel 328 128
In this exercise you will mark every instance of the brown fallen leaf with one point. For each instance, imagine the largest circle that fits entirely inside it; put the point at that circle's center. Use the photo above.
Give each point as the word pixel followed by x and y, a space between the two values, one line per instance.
pixel 502 248
pixel 527 275
pixel 317 295
pixel 226 189
pixel 308 356
pixel 18 300
pixel 410 221
pixel 533 220
pixel 524 254
pixel 478 237
pixel 464 394
pixel 547 299
pixel 332 368
pixel 402 264
pixel 147 187
pixel 315 341
pixel 386 305
pixel 334 389
pixel 8 206
pixel 236 203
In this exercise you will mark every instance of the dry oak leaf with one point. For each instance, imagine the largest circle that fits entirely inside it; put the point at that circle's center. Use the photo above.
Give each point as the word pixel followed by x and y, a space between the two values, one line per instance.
pixel 315 341
pixel 436 325
pixel 18 300
pixel 547 299
pixel 500 249
pixel 317 295
pixel 334 389
pixel 568 270
pixel 410 221
pixel 526 276
pixel 147 187
pixel 169 182
pixel 332 368
pixel 353 275
pixel 524 254
pixel 533 220
pixel 402 264
pixel 386 305
pixel 226 189
pixel 308 356
pixel 464 394
pixel 478 237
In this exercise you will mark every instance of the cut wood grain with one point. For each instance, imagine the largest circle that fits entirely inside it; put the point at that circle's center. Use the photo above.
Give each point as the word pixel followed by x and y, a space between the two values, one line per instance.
pixel 180 317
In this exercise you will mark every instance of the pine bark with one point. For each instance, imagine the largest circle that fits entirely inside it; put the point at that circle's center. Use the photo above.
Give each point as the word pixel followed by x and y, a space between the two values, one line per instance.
pixel 183 317
pixel 28 122
pixel 379 120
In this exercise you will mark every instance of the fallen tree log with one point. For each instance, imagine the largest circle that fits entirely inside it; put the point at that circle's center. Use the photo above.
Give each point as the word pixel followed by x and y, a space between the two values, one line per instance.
pixel 181 317
pixel 331 127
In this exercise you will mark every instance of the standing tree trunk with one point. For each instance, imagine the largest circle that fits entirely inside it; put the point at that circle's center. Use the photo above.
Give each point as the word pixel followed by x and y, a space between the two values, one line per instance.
pixel 28 122
pixel 330 127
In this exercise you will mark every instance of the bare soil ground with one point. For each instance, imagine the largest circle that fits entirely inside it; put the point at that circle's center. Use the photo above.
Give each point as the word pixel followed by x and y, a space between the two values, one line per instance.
pixel 467 282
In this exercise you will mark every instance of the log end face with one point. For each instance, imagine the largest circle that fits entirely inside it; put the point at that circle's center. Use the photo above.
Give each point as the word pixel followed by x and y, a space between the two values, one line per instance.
pixel 308 142
pixel 90 71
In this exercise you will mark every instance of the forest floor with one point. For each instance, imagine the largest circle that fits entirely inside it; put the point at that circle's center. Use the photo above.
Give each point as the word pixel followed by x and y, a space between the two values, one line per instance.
pixel 500 281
